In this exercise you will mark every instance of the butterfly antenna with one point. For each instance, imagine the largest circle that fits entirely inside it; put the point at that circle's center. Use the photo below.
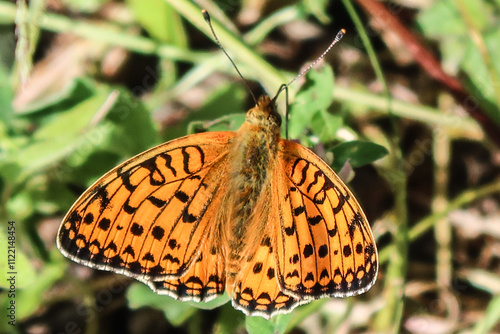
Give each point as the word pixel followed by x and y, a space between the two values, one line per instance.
pixel 206 16
pixel 339 36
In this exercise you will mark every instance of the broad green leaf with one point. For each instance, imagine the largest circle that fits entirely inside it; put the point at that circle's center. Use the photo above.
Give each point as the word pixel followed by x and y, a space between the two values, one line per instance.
pixel 276 325
pixel 482 83
pixel 177 312
pixel 73 92
pixel 314 96
pixel 226 100
pixel 358 153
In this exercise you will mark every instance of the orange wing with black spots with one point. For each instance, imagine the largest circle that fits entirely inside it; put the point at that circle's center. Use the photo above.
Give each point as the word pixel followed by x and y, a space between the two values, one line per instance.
pixel 204 280
pixel 149 217
pixel 256 290
pixel 326 247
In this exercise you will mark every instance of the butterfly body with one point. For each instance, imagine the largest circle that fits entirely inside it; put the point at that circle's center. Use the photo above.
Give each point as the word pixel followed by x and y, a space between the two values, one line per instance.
pixel 247 213
pixel 252 153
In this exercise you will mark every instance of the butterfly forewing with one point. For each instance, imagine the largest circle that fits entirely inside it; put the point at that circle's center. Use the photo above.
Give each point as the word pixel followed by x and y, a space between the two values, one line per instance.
pixel 144 218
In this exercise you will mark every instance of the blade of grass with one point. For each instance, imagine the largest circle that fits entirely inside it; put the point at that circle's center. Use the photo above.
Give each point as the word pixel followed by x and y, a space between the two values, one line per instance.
pixel 271 22
pixel 105 32
pixel 257 67
pixel 490 318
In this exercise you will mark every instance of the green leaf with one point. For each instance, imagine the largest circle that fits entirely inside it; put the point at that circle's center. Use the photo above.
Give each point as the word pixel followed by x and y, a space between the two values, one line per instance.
pixel 314 96
pixel 490 318
pixel 451 24
pixel 442 20
pixel 276 325
pixel 226 123
pixel 229 321
pixel 318 8
pixel 225 101
pixel 176 311
pixel 70 138
pixel 326 125
pixel 56 138
pixel 72 93
pixel 6 96
pixel 481 82
pixel 358 153
pixel 160 21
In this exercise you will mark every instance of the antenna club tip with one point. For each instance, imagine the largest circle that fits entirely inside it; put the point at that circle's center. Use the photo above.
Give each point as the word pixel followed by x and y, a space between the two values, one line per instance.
pixel 205 14
pixel 343 31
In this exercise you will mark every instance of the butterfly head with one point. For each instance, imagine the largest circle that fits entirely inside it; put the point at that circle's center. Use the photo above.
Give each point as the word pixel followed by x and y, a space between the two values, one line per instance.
pixel 264 113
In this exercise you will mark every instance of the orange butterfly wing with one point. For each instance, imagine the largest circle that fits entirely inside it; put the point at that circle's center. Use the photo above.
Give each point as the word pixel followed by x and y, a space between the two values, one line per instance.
pixel 150 217
pixel 318 242
pixel 326 247
pixel 258 292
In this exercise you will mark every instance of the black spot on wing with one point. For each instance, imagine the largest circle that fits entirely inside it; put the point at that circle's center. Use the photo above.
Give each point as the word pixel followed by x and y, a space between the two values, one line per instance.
pixel 187 217
pixel 290 230
pixel 359 248
pixel 181 196
pixel 148 257
pixel 309 277
pixel 299 210
pixel 257 268
pixel 104 224
pixel 172 243
pixel 303 172
pixel 317 174
pixel 270 273
pixel 171 258
pixel 89 218
pixel 112 246
pixel 323 251
pixel 308 250
pixel 136 229
pixel 158 232
pixel 347 251
pixel 159 203
pixel 129 250
pixel 185 156
pixel 314 220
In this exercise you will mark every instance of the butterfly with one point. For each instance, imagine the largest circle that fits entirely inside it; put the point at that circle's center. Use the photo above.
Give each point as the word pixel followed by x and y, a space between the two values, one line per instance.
pixel 247 213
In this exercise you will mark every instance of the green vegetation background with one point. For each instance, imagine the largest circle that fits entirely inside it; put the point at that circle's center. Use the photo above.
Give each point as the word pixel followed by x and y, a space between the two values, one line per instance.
pixel 65 121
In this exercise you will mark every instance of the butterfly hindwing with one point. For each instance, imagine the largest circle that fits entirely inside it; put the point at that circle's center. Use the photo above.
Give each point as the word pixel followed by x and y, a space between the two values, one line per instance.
pixel 205 279
pixel 145 217
pixel 256 291
pixel 326 247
